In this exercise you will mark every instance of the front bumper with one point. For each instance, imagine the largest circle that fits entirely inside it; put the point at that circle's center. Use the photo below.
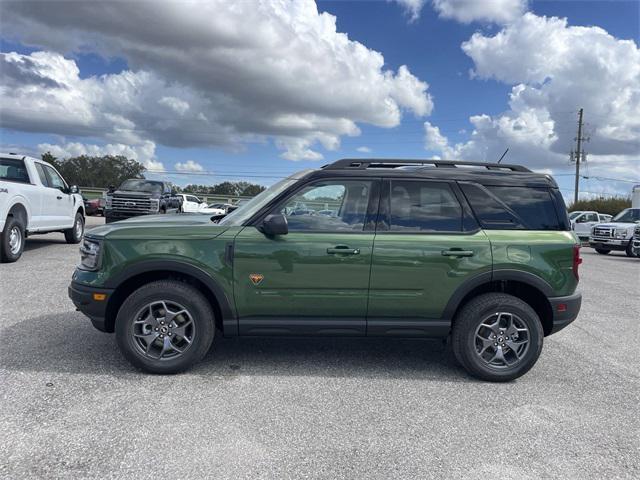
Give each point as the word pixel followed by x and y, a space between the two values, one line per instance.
pixel 608 243
pixel 565 310
pixel 84 300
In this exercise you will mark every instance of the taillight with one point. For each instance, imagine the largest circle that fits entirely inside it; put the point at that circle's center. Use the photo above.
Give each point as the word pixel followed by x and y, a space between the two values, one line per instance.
pixel 576 260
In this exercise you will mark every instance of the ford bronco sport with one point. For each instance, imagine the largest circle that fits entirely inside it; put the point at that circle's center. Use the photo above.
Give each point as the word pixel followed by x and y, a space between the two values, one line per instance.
pixel 479 252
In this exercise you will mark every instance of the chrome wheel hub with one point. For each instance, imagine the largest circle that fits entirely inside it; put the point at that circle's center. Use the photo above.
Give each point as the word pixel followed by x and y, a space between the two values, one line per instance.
pixel 502 340
pixel 15 240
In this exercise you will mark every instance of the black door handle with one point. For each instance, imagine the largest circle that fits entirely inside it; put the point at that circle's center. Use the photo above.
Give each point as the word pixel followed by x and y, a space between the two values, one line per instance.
pixel 343 250
pixel 457 253
pixel 59 197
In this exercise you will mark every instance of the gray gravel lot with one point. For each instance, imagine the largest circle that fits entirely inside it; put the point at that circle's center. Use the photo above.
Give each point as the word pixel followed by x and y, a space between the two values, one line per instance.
pixel 71 407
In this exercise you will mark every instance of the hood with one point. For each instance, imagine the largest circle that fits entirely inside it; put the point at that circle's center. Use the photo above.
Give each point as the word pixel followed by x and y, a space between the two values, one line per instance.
pixel 167 227
pixel 135 193
pixel 615 225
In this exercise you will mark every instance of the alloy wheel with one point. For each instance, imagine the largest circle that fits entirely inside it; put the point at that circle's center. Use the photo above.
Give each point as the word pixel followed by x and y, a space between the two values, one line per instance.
pixel 502 340
pixel 163 330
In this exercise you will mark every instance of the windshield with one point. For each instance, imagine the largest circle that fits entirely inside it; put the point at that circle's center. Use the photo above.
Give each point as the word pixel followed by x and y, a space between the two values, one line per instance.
pixel 629 215
pixel 140 185
pixel 573 215
pixel 247 210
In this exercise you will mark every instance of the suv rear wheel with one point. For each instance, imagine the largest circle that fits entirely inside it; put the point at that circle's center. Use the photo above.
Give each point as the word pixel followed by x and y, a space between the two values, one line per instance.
pixel 165 327
pixel 497 337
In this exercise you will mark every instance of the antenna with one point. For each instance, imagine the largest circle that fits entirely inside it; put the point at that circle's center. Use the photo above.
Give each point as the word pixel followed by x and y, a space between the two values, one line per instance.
pixel 505 152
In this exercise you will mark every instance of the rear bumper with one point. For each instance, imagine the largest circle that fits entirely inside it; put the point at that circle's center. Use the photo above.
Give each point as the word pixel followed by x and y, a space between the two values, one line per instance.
pixel 565 310
pixel 82 297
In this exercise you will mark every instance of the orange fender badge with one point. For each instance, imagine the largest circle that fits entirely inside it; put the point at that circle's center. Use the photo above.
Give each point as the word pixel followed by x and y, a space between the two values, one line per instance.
pixel 256 278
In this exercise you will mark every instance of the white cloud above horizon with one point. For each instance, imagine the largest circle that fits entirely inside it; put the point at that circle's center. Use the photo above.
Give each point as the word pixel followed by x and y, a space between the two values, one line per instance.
pixel 540 57
pixel 468 11
pixel 219 74
pixel 189 166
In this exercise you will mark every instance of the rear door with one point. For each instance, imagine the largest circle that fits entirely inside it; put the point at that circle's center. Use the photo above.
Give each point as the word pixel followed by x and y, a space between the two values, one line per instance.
pixel 427 244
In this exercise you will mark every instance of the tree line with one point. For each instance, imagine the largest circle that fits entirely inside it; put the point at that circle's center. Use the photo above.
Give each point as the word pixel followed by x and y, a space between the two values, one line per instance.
pixel 609 205
pixel 107 170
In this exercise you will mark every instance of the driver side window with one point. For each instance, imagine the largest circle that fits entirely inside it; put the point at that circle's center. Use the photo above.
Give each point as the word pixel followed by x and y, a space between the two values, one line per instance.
pixel 328 206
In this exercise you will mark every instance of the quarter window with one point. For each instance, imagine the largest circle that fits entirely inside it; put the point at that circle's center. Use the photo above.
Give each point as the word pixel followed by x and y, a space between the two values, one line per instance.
pixel 424 207
pixel 329 206
pixel 42 174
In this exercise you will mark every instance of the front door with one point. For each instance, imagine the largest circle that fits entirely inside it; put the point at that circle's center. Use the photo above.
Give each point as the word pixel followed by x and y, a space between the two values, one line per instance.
pixel 426 246
pixel 315 279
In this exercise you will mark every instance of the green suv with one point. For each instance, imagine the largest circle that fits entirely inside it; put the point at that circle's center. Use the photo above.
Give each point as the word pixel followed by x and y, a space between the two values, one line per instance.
pixel 479 252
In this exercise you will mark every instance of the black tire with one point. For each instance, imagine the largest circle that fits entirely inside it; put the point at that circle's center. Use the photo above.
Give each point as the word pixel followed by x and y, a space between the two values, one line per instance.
pixel 75 233
pixel 14 230
pixel 172 292
pixel 602 251
pixel 629 250
pixel 469 320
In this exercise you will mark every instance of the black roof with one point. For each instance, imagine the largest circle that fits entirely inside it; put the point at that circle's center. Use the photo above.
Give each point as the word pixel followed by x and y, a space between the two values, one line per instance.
pixel 480 172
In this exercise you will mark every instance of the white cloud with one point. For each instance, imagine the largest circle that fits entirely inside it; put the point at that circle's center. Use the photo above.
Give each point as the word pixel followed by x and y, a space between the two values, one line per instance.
pixel 363 149
pixel 412 8
pixel 217 73
pixel 467 11
pixel 189 166
pixel 555 69
pixel 490 11
pixel 143 152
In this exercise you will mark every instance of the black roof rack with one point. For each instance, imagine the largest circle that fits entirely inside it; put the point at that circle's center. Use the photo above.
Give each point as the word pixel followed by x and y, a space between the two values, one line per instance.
pixel 363 164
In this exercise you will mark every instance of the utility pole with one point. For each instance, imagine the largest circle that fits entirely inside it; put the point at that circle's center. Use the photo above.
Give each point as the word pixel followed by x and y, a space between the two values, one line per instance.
pixel 578 156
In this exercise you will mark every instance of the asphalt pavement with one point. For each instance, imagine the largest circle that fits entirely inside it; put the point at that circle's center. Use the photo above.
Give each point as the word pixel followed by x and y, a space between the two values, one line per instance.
pixel 72 407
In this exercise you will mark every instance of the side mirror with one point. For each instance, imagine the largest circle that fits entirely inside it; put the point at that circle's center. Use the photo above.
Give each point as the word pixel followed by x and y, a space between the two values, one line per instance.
pixel 74 189
pixel 275 224
pixel 111 188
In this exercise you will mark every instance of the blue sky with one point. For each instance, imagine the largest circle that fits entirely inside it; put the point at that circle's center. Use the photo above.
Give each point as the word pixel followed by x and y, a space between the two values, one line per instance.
pixel 430 46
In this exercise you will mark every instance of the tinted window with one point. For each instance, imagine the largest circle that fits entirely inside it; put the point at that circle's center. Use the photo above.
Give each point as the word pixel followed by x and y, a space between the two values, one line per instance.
pixel 328 206
pixel 497 208
pixel 424 207
pixel 589 217
pixel 55 180
pixel 13 170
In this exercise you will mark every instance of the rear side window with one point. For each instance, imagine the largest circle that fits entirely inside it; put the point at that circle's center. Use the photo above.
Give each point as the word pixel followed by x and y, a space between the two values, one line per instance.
pixel 424 207
pixel 506 208
pixel 13 170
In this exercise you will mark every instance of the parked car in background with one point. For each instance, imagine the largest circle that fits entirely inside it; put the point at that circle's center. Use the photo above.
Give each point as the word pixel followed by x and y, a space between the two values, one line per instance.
pixel 138 196
pixel 213 210
pixel 34 198
pixel 93 206
pixel 190 203
pixel 616 234
pixel 636 242
pixel 583 221
pixel 486 257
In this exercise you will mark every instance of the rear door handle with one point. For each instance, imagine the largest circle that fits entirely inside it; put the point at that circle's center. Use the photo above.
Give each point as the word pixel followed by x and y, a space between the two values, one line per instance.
pixel 343 250
pixel 457 253
pixel 59 197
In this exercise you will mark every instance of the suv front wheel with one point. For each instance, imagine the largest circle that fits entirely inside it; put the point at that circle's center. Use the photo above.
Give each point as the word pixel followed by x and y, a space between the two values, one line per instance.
pixel 497 337
pixel 165 327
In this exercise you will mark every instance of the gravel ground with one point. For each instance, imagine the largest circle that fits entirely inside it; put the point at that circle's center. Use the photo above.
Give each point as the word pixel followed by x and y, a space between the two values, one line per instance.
pixel 71 407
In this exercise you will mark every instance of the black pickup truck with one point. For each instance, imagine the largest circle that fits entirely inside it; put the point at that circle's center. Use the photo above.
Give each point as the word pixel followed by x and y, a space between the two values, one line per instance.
pixel 138 196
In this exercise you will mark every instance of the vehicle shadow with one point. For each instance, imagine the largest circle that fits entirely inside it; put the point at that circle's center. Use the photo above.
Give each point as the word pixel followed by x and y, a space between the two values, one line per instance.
pixel 67 343
pixel 34 243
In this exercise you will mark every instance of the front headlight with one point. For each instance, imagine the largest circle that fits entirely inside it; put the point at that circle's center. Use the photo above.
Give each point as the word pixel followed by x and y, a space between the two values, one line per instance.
pixel 621 233
pixel 89 254
pixel 107 201
pixel 154 204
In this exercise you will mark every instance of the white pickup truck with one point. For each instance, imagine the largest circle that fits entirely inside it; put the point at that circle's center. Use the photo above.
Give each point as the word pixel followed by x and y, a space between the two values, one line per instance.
pixel 34 198
pixel 583 221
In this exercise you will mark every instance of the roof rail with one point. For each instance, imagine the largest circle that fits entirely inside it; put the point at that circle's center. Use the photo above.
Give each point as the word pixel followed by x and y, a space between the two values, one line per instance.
pixel 365 163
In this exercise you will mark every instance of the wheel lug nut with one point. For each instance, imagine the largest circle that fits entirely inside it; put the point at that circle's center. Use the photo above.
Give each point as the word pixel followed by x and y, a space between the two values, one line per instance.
pixel 156 329
pixel 495 344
